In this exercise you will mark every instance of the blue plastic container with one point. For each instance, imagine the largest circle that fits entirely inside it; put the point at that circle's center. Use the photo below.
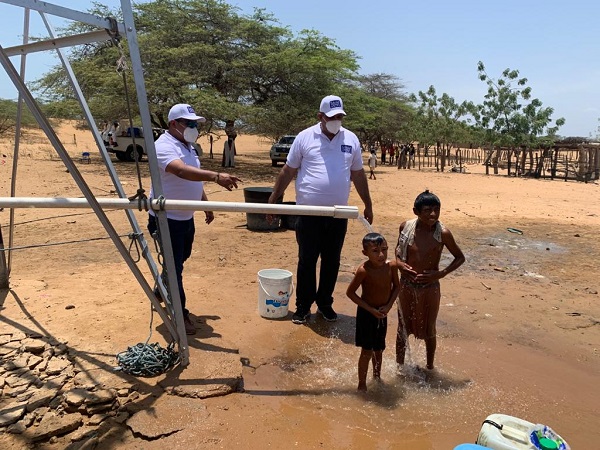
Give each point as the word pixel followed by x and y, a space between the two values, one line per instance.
pixel 470 447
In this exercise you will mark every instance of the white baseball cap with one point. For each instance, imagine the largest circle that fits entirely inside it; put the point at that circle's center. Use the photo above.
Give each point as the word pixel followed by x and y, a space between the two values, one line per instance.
pixel 332 105
pixel 184 111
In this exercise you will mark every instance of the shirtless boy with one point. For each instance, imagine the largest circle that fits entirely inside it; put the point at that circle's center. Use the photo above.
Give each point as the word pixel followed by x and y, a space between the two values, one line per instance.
pixel 379 281
pixel 418 255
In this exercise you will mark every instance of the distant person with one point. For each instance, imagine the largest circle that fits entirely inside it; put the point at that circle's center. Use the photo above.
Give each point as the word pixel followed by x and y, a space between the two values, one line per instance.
pixel 104 132
pixel 229 151
pixel 378 280
pixel 411 156
pixel 183 179
pixel 230 128
pixel 325 159
pixel 372 165
pixel 403 157
pixel 115 131
pixel 418 254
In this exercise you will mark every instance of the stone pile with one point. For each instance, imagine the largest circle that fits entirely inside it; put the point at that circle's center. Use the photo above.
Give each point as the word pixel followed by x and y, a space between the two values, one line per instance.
pixel 45 394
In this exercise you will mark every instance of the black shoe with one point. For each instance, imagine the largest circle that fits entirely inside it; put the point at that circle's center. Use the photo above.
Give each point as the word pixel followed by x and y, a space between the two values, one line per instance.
pixel 190 328
pixel 328 313
pixel 300 317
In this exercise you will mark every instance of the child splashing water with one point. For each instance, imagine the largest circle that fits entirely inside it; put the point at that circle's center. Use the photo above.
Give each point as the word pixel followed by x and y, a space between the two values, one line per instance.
pixel 418 255
pixel 380 285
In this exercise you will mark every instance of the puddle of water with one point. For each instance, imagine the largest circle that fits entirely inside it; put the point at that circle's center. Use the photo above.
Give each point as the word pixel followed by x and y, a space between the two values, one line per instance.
pixel 533 275
pixel 522 243
pixel 314 379
pixel 320 380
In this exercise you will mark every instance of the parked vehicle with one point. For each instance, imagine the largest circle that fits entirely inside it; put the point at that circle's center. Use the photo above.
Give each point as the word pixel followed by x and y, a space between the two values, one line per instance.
pixel 121 143
pixel 279 150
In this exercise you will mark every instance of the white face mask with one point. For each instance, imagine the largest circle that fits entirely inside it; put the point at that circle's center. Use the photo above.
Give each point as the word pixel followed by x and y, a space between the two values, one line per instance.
pixel 190 134
pixel 333 126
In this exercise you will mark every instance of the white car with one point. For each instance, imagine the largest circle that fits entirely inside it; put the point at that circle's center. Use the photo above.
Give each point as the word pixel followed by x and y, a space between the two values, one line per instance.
pixel 123 144
pixel 279 150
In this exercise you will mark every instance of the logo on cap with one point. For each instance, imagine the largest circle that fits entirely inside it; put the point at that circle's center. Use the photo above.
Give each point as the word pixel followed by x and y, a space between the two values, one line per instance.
pixel 191 110
pixel 335 104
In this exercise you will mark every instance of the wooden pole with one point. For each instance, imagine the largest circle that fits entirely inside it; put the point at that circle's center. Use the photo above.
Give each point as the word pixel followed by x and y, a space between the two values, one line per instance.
pixel 582 162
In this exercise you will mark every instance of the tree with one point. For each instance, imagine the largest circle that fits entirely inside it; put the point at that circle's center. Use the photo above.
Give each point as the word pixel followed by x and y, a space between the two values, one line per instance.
pixel 232 67
pixel 508 121
pixel 95 66
pixel 288 85
pixel 441 122
pixel 8 114
pixel 377 108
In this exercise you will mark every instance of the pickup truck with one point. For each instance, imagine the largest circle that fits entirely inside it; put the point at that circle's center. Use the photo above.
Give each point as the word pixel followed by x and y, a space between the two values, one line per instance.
pixel 123 147
pixel 280 149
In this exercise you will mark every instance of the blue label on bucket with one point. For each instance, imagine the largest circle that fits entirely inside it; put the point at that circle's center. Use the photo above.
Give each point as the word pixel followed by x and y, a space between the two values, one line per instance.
pixel 277 303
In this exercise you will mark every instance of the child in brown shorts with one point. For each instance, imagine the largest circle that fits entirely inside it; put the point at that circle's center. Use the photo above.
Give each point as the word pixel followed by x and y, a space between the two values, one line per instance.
pixel 418 255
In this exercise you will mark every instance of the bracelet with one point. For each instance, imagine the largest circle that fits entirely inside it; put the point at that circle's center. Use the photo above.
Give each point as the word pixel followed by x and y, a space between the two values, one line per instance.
pixel 217 177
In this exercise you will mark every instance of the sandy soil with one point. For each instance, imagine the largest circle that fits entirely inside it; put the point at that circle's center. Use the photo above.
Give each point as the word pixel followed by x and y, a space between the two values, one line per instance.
pixel 519 323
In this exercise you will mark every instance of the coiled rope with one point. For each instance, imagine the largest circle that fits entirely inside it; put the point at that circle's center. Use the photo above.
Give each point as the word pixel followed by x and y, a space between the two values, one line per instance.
pixel 148 360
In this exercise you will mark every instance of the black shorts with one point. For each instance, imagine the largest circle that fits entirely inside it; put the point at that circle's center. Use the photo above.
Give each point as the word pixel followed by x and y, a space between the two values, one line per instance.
pixel 370 331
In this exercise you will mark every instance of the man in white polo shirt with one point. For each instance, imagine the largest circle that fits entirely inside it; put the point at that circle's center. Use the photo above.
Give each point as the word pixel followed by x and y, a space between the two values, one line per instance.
pixel 183 179
pixel 326 158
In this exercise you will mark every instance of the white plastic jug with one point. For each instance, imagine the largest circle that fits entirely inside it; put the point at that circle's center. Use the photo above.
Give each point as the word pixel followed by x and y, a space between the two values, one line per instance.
pixel 275 288
pixel 502 432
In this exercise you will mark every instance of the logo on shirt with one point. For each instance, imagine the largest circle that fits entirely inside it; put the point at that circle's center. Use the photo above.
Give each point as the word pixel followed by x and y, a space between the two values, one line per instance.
pixel 346 148
pixel 335 104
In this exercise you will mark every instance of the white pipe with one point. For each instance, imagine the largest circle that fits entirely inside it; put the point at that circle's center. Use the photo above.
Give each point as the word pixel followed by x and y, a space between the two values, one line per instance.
pixel 340 212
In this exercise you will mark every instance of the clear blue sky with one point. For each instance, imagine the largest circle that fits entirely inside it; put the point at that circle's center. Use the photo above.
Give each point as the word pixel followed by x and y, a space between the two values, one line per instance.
pixel 555 44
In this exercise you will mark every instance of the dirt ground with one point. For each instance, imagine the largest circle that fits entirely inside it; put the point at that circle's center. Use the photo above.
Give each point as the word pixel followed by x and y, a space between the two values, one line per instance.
pixel 519 322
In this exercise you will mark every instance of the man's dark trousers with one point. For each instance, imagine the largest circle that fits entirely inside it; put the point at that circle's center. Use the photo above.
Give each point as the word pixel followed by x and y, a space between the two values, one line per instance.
pixel 324 237
pixel 182 238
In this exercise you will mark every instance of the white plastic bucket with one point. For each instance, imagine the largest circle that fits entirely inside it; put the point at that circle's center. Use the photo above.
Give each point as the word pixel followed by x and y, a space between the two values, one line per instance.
pixel 275 288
